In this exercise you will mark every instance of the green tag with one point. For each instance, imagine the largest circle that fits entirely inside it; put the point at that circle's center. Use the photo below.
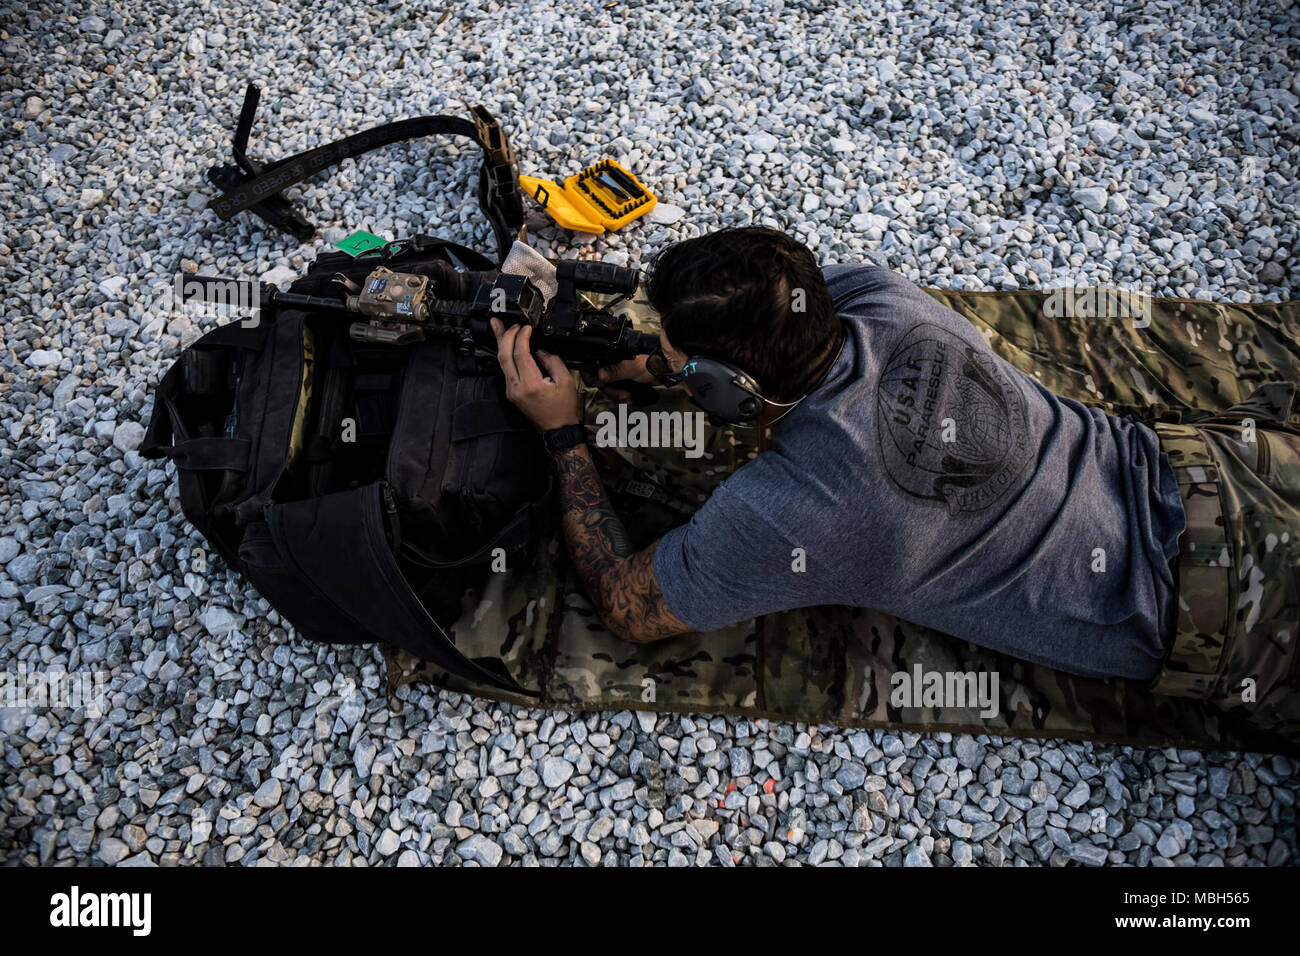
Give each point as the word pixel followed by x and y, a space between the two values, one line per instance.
pixel 359 242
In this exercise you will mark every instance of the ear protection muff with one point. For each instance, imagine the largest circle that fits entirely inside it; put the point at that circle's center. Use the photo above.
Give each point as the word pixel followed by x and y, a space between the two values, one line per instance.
pixel 728 394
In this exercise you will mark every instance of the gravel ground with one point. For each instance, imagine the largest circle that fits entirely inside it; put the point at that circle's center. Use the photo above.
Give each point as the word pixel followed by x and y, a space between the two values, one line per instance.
pixel 996 145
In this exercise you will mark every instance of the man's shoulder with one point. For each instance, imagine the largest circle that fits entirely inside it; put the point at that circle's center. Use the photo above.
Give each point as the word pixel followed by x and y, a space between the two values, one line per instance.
pixel 837 271
pixel 747 483
pixel 766 487
pixel 845 279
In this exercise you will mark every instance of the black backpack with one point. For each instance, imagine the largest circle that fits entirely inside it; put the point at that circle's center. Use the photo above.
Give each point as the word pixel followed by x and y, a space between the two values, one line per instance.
pixel 375 538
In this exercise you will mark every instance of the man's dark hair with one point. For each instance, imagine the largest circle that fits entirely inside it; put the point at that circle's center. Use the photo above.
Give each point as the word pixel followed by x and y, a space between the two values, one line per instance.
pixel 731 295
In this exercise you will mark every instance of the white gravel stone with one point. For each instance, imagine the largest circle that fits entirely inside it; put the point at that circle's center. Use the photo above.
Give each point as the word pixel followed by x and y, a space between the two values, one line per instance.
pixel 127 436
pixel 44 358
pixel 280 275
pixel 268 794
pixel 1094 198
pixel 665 214
pixel 480 849
pixel 113 286
pixel 113 851
pixel 219 621
pixel 388 843
pixel 556 772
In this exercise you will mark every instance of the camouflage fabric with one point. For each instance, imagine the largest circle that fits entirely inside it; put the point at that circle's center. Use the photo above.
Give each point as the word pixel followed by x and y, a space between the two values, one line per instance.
pixel 841 665
pixel 1239 561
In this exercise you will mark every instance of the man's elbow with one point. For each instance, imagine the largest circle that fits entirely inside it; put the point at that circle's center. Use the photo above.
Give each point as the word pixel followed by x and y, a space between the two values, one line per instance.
pixel 640 628
pixel 627 628
pixel 632 606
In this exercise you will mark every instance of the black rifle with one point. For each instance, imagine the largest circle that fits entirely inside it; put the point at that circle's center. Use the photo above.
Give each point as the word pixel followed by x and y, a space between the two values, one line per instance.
pixel 400 308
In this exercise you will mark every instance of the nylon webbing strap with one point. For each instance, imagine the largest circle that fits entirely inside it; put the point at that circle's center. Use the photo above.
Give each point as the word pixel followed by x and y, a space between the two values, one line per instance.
pixel 259 188
pixel 206 371
pixel 1205 579
pixel 211 454
pixel 279 175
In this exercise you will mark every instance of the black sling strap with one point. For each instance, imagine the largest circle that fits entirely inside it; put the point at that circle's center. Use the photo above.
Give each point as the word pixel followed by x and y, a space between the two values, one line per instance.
pixel 258 187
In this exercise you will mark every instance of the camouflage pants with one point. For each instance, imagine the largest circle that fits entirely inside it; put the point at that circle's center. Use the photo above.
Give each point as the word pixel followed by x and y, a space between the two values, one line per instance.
pixel 1239 561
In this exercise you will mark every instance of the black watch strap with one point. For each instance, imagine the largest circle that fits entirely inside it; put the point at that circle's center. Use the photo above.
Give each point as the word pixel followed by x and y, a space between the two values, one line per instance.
pixel 558 439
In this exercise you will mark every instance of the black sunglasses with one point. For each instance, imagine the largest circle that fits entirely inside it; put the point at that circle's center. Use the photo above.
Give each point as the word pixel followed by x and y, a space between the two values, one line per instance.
pixel 657 365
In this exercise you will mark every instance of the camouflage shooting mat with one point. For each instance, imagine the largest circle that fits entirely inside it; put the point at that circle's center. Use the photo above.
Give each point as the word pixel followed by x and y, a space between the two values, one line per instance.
pixel 832 665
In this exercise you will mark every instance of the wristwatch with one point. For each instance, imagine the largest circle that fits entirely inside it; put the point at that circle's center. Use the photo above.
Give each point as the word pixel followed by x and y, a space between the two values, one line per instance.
pixel 558 439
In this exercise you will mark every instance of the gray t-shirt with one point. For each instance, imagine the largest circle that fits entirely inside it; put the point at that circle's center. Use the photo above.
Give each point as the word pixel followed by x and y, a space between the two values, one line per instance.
pixel 928 478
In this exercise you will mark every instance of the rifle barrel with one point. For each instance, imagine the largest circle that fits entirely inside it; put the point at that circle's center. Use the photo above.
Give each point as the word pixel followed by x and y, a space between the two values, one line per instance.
pixel 300 301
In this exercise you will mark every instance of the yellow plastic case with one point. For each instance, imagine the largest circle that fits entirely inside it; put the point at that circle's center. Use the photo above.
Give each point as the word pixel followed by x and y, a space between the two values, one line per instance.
pixel 603 197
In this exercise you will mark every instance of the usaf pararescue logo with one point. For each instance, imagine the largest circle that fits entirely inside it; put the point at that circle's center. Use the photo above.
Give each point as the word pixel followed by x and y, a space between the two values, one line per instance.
pixel 933 375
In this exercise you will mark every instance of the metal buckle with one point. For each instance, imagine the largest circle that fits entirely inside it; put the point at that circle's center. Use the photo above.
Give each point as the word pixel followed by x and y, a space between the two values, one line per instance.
pixel 492 137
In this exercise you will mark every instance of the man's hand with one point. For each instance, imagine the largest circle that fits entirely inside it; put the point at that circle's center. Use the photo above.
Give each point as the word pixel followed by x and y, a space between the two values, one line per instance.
pixel 632 369
pixel 549 400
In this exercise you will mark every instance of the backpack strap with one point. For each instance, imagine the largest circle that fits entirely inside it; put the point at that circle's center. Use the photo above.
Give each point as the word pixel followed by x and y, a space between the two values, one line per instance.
pixel 440 249
pixel 256 187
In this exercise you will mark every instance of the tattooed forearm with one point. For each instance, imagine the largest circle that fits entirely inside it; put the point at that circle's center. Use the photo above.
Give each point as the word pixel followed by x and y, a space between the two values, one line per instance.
pixel 580 486
pixel 621 584
pixel 607 523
